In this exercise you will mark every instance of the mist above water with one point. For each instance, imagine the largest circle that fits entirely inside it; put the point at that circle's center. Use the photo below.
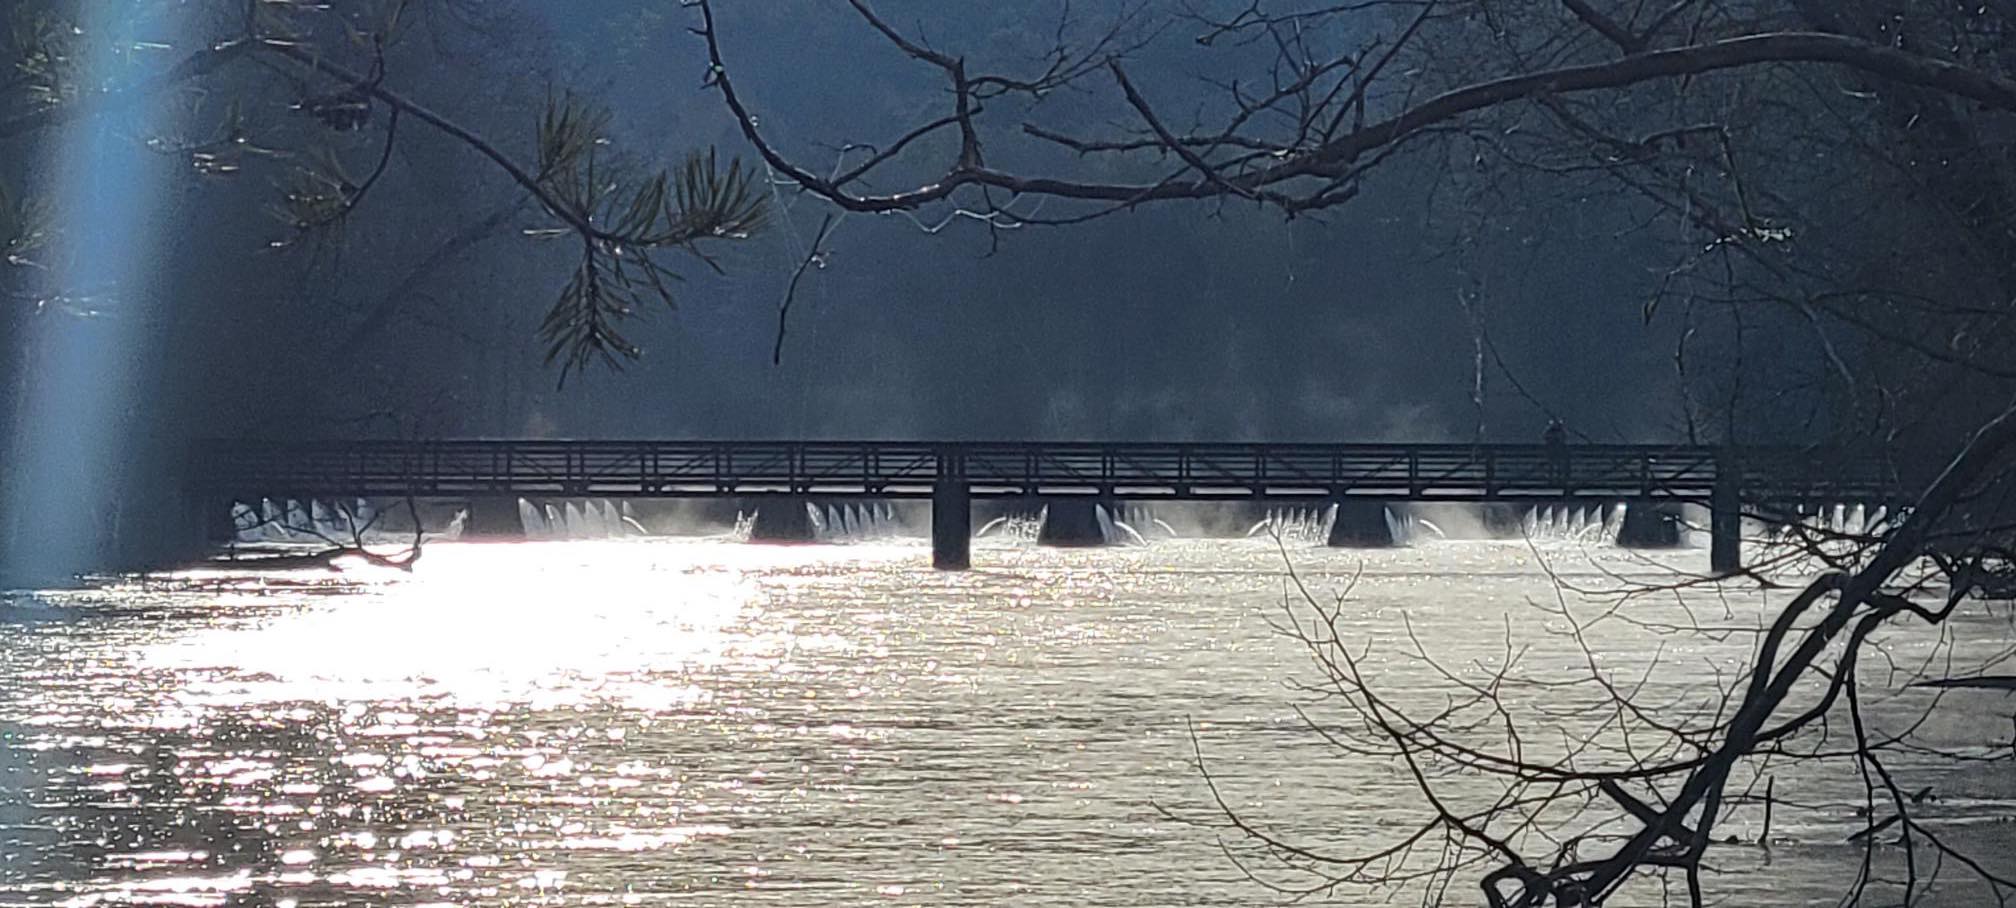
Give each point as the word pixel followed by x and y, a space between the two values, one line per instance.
pixel 284 524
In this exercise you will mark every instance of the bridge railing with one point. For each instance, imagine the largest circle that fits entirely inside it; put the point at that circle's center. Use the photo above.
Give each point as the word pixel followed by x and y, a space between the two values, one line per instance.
pixel 671 468
pixel 1418 470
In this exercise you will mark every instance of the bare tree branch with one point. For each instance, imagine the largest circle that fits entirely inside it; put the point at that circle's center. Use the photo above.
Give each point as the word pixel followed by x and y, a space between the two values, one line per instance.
pixel 1334 157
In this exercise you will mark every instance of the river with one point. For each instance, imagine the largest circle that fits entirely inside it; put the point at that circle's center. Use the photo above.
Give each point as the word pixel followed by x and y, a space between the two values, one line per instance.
pixel 713 723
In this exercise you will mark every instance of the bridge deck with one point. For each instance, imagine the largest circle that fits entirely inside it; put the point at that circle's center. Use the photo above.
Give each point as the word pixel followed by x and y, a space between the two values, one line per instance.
pixel 1424 472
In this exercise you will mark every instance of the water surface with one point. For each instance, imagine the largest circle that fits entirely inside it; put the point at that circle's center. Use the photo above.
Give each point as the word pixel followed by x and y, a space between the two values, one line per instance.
pixel 714 723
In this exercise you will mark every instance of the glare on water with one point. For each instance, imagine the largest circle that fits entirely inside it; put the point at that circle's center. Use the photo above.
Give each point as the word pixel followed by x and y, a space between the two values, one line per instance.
pixel 706 722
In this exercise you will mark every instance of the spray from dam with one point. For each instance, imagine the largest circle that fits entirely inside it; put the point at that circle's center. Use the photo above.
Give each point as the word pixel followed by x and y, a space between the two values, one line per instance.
pixel 286 521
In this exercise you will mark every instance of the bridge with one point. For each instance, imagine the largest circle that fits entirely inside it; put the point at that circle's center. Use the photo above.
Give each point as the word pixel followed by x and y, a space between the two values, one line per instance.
pixel 951 474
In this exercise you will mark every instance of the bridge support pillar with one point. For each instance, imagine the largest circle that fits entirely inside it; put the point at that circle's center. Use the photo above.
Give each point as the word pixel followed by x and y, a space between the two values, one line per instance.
pixel 1725 521
pixel 786 519
pixel 1071 522
pixel 1361 524
pixel 215 518
pixel 494 517
pixel 1650 524
pixel 1501 520
pixel 175 530
pixel 951 525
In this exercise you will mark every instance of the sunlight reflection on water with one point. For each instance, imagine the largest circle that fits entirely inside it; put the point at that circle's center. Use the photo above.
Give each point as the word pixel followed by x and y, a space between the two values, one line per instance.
pixel 492 623
pixel 623 721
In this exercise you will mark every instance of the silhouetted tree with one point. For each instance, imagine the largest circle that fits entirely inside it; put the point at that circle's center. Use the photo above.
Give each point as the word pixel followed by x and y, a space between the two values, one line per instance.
pixel 1827 187
pixel 284 88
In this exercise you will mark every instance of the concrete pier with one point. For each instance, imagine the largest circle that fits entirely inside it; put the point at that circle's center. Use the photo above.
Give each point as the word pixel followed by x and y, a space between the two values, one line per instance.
pixel 951 525
pixel 215 518
pixel 1361 524
pixel 1650 523
pixel 782 519
pixel 1071 522
pixel 1502 520
pixel 1725 520
pixel 494 517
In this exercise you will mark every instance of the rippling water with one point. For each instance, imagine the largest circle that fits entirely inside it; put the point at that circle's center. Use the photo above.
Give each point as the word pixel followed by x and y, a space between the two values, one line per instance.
pixel 683 722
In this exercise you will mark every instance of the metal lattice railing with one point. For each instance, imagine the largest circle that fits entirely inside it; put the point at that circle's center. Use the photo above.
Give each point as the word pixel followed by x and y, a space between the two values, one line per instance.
pixel 1137 470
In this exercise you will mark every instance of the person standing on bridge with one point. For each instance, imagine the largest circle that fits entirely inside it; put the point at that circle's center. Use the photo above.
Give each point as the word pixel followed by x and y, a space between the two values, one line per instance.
pixel 1555 441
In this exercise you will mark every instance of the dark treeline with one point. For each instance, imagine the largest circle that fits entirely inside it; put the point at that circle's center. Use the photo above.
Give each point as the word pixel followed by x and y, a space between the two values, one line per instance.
pixel 318 267
pixel 418 312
